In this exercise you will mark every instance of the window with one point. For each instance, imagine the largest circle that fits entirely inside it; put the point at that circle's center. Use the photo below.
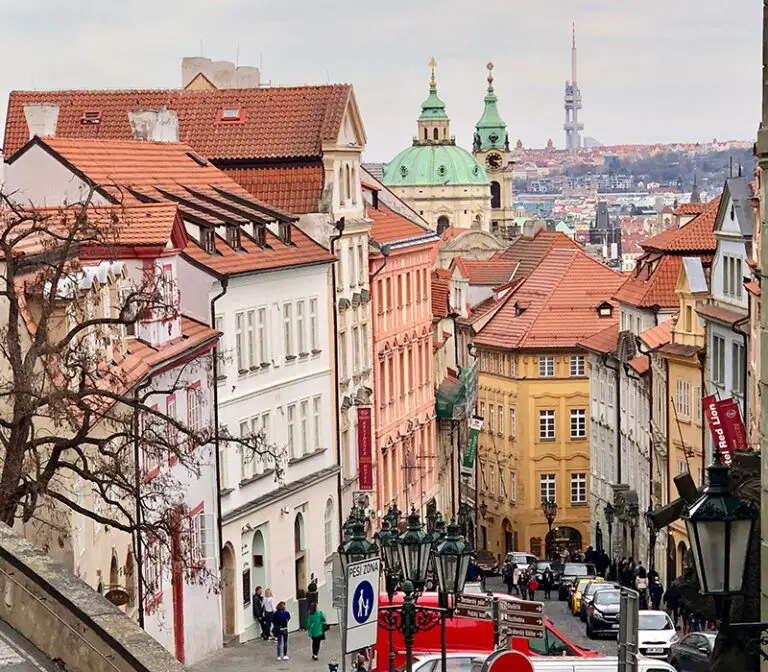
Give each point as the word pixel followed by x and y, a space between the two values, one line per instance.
pixel 194 419
pixel 737 361
pixel 173 435
pixel 577 365
pixel 291 430
pixel 233 237
pixel 304 425
pixel 364 346
pixel 197 537
pixel 288 329
pixel 154 572
pixel 482 410
pixel 578 488
pixel 718 360
pixel 483 481
pixel 314 336
pixel 361 267
pixel 328 519
pixel 512 486
pixel 501 420
pixel 262 332
pixel 546 367
pixel 501 364
pixel 253 355
pixel 316 427
pixel 683 398
pixel 343 353
pixel 301 341
pixel 491 479
pixel 732 277
pixel 697 404
pixel 578 423
pixel 502 484
pixel 207 238
pixel 240 342
pixel 356 349
pixel 546 425
pixel 148 432
pixel 246 455
pixel 491 412
pixel 548 487
pixel 512 423
pixel 512 366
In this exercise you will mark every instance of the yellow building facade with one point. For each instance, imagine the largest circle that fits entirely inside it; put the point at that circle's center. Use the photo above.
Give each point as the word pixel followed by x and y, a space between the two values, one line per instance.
pixel 534 445
pixel 683 357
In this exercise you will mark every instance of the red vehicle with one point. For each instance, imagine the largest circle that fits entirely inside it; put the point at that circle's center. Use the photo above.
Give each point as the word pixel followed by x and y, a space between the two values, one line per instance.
pixel 467 634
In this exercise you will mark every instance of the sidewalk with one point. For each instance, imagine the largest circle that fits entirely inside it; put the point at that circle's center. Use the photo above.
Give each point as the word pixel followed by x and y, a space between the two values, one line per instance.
pixel 260 656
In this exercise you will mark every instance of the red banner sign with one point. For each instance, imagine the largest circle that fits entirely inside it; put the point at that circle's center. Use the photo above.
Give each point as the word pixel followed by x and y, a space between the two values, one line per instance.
pixel 726 425
pixel 364 451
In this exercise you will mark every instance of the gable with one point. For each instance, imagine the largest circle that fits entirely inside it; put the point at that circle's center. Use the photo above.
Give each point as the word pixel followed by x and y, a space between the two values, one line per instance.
pixel 726 221
pixel 351 130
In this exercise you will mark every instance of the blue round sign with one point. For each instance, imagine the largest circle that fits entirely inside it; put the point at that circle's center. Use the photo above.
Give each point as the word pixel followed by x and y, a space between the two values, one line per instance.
pixel 362 602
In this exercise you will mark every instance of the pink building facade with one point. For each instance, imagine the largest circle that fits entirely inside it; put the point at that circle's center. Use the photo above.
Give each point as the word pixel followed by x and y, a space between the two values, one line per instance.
pixel 405 443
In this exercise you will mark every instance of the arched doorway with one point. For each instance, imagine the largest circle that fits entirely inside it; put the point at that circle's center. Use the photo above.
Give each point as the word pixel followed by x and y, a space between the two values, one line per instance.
pixel 258 568
pixel 562 538
pixel 228 564
pixel 671 559
pixel 130 581
pixel 495 195
pixel 442 224
pixel 509 539
pixel 301 555
pixel 682 559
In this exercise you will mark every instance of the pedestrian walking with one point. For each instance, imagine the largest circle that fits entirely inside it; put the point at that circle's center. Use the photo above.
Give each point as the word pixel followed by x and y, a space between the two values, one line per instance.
pixel 316 628
pixel 533 586
pixel 655 591
pixel 268 616
pixel 522 584
pixel 672 601
pixel 280 629
pixel 509 577
pixel 547 581
pixel 257 605
pixel 641 586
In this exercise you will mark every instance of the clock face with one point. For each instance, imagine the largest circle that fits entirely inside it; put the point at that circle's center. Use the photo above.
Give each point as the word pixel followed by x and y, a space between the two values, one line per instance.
pixel 493 160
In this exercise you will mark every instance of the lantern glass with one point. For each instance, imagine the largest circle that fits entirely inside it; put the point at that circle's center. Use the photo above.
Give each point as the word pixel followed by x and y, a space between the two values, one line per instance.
pixel 740 537
pixel 452 561
pixel 415 546
pixel 356 547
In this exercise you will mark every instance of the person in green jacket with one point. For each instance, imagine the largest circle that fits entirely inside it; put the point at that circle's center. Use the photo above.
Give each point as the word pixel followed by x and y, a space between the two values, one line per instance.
pixel 316 628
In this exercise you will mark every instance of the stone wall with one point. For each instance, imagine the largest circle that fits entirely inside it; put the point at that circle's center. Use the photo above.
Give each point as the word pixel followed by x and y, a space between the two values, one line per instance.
pixel 66 619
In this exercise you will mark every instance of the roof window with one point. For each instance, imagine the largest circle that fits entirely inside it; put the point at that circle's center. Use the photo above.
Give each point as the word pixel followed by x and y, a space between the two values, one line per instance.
pixel 233 237
pixel 285 232
pixel 91 117
pixel 231 115
pixel 207 238
pixel 605 309
pixel 259 234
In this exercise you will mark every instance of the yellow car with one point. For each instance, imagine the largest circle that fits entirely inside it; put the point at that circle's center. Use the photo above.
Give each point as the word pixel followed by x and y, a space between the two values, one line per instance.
pixel 579 592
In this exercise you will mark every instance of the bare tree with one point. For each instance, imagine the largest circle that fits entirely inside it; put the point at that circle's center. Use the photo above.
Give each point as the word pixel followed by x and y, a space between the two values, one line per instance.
pixel 78 410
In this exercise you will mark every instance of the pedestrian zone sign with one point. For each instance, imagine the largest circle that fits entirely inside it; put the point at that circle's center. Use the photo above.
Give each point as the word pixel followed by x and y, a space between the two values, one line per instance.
pixel 362 604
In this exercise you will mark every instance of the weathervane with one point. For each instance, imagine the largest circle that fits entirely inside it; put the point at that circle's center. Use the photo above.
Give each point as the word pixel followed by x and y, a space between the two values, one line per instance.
pixel 490 73
pixel 433 65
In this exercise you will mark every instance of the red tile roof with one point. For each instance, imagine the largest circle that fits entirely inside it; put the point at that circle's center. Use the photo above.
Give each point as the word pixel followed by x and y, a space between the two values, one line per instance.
pixel 444 273
pixel 296 189
pixel 689 209
pixel 657 336
pixel 280 122
pixel 441 294
pixel 695 236
pixel 530 251
pixel 641 363
pixel 194 334
pixel 493 271
pixel 452 232
pixel 559 301
pixel 753 287
pixel 652 283
pixel 719 314
pixel 389 227
pixel 604 341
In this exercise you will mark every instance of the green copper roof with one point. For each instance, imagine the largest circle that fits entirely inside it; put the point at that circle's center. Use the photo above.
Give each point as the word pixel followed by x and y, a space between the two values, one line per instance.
pixel 433 108
pixel 491 129
pixel 562 227
pixel 433 165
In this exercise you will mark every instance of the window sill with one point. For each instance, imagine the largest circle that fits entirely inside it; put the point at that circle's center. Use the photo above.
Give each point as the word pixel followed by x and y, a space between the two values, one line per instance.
pixel 315 352
pixel 256 477
pixel 242 373
pixel 543 440
pixel 265 365
pixel 303 355
pixel 306 456
pixel 578 438
pixel 290 358
pixel 226 491
pixel 578 503
pixel 221 380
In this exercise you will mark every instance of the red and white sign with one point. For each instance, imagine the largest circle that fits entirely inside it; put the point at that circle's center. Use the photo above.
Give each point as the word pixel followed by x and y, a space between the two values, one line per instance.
pixel 364 451
pixel 726 425
pixel 507 661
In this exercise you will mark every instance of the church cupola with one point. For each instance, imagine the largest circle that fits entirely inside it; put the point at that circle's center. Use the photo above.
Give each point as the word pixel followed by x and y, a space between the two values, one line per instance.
pixel 491 131
pixel 434 126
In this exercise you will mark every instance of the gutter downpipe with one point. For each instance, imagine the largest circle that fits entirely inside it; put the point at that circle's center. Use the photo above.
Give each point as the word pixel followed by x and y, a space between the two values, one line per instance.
pixel 138 551
pixel 331 244
pixel 224 286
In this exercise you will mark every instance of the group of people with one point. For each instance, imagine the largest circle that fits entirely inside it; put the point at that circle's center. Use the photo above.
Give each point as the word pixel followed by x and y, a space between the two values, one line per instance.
pixel 524 582
pixel 273 619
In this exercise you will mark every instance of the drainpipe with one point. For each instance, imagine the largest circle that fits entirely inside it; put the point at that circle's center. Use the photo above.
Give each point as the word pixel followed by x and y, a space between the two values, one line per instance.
pixel 617 369
pixel 702 369
pixel 224 285
pixel 332 243
pixel 138 550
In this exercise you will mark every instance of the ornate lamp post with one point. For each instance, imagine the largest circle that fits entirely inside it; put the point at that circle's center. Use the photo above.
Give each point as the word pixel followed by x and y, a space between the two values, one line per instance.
pixel 549 507
pixel 633 513
pixel 356 547
pixel 609 516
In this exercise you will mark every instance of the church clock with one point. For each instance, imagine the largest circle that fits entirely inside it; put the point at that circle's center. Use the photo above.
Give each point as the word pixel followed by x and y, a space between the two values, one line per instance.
pixel 494 160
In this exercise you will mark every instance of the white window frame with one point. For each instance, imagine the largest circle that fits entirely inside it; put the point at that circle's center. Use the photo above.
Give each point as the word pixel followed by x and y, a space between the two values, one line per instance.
pixel 240 343
pixel 290 430
pixel 512 423
pixel 491 418
pixel 314 334
pixel 718 360
pixel 578 423
pixel 683 398
pixel 262 331
pixel 513 486
pixel 501 420
pixel 578 488
pixel 328 527
pixel 491 480
pixel 546 366
pixel 288 336
pixel 316 421
pixel 546 425
pixel 301 337
pixel 578 366
pixel 547 487
pixel 304 426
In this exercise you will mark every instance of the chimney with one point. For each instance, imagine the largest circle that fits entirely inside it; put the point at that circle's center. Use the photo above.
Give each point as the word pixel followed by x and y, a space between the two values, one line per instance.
pixel 41 119
pixel 154 125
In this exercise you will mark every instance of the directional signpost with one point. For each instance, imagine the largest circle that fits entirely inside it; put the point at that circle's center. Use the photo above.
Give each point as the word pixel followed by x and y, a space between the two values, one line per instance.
pixel 522 618
pixel 362 604
pixel 478 607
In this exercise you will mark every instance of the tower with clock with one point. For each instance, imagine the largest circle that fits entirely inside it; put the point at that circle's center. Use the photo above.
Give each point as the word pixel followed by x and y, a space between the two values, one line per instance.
pixel 491 149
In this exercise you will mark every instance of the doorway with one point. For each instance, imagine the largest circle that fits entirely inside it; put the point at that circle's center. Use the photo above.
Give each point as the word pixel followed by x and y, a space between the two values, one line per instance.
pixel 671 559
pixel 228 562
pixel 258 570
pixel 300 553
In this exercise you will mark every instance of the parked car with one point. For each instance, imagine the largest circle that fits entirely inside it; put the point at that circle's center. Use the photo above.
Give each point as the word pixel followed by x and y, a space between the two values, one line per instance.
pixel 486 563
pixel 589 592
pixel 693 652
pixel 603 613
pixel 556 567
pixel 571 571
pixel 578 594
pixel 522 560
pixel 656 633
pixel 458 662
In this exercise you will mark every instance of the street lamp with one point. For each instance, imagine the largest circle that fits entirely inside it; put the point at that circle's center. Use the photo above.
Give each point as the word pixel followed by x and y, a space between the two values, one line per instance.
pixel 549 507
pixel 452 561
pixel 356 547
pixel 414 546
pixel 389 555
pixel 609 516
pixel 651 538
pixel 633 513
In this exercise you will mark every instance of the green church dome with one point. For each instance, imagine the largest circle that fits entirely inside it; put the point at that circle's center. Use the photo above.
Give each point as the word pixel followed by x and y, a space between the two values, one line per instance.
pixel 433 164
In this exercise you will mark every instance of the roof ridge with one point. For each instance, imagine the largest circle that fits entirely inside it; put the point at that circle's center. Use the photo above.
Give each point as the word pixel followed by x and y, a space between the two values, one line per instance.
pixel 190 92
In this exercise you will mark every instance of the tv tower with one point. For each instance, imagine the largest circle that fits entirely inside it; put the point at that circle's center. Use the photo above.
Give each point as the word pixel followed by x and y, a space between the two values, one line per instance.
pixel 572 125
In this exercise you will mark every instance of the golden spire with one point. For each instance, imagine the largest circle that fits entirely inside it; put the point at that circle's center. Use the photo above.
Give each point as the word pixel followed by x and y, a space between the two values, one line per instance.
pixel 433 64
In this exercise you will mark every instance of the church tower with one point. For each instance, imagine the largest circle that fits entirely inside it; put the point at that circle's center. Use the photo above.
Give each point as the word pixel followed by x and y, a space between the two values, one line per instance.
pixel 491 148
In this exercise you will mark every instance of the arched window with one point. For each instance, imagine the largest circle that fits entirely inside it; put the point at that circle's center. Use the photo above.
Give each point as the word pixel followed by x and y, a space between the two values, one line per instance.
pixel 495 195
pixel 436 134
pixel 442 224
pixel 329 527
pixel 426 135
pixel 342 195
pixel 349 183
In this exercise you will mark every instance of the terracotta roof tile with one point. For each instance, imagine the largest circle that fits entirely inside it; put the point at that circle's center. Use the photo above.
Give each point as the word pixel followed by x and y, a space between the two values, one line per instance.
pixel 296 189
pixel 687 209
pixel 452 232
pixel 641 363
pixel 389 227
pixel 441 293
pixel 652 283
pixel 194 334
pixel 530 251
pixel 284 122
pixel 604 341
pixel 657 336
pixel 680 350
pixel 493 272
pixel 443 273
pixel 559 301
pixel 719 314
pixel 695 236
pixel 753 287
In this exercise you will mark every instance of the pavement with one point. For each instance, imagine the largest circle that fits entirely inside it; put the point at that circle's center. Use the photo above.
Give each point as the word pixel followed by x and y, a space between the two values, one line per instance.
pixel 260 656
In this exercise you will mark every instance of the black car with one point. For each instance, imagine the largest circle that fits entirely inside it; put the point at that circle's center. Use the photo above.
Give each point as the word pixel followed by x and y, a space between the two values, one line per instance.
pixel 693 652
pixel 603 613
pixel 571 571
pixel 541 565
pixel 589 593
pixel 486 563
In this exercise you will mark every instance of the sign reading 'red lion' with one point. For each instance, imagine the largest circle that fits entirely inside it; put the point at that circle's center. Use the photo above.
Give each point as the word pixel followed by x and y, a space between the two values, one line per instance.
pixel 724 420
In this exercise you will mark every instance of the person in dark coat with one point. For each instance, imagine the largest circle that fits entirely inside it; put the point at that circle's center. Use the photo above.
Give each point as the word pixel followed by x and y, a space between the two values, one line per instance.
pixel 547 581
pixel 655 591
pixel 257 605
pixel 522 584
pixel 509 577
pixel 672 600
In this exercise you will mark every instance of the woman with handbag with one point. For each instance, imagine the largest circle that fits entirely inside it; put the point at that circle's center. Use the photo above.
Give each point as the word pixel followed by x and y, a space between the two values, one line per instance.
pixel 316 628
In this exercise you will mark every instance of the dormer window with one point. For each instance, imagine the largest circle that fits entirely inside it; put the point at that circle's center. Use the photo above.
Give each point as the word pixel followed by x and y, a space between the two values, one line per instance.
pixel 207 238
pixel 259 234
pixel 91 117
pixel 605 309
pixel 231 115
pixel 285 232
pixel 233 237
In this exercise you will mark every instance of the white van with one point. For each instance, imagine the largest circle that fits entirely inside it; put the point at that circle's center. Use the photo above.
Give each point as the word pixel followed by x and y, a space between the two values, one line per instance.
pixel 565 664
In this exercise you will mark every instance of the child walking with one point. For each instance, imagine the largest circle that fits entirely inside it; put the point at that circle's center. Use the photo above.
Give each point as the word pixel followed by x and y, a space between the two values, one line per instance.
pixel 281 630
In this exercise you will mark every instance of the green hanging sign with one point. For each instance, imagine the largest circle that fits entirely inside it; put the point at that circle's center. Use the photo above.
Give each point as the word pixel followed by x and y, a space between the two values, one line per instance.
pixel 470 452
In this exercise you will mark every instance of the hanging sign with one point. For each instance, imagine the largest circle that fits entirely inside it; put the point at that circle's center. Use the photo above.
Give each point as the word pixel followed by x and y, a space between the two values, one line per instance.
pixel 364 452
pixel 470 452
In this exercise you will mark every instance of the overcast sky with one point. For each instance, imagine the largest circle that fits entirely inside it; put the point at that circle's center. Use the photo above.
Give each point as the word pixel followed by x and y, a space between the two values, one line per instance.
pixel 650 71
